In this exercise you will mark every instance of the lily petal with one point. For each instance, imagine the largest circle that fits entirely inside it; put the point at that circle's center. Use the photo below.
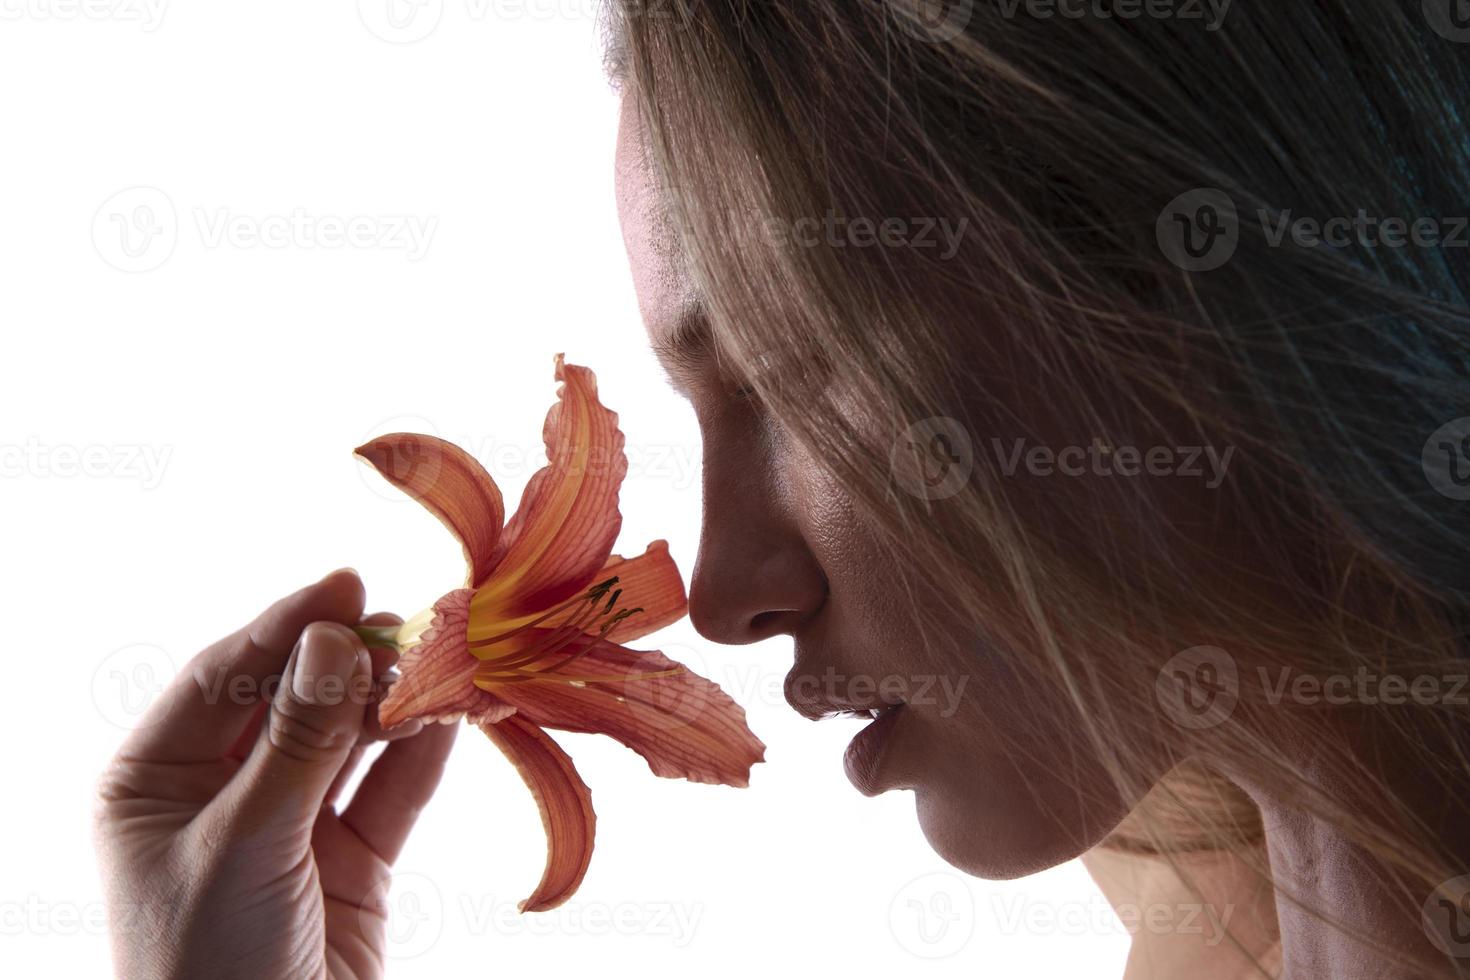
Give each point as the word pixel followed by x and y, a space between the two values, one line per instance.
pixel 650 581
pixel 449 482
pixel 566 808
pixel 568 518
pixel 435 675
pixel 682 724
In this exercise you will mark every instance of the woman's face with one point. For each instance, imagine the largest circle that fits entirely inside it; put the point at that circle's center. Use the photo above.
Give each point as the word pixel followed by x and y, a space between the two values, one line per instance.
pixel 783 551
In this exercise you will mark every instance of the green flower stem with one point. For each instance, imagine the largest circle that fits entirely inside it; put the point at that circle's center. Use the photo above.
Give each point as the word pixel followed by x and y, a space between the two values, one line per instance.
pixel 379 636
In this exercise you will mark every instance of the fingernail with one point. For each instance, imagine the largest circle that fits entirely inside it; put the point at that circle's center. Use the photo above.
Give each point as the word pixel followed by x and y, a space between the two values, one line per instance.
pixel 339 571
pixel 324 667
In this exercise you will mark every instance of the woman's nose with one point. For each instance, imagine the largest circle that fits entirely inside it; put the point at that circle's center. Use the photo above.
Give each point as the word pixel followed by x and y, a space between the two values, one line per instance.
pixel 755 576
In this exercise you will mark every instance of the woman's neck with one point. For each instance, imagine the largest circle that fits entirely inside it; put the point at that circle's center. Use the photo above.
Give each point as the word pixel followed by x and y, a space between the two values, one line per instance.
pixel 1208 915
pixel 1345 913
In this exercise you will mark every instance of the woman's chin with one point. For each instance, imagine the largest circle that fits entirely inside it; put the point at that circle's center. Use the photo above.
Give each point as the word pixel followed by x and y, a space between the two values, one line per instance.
pixel 1003 839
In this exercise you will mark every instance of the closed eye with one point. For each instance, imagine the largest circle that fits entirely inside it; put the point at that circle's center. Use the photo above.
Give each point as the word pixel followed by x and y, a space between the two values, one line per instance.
pixel 689 347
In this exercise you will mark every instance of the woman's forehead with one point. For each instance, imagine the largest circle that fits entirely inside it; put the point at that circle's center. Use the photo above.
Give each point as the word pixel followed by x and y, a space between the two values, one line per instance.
pixel 660 275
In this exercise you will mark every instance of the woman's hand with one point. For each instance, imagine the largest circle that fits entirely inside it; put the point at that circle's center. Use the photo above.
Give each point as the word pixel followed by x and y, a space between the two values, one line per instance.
pixel 221 850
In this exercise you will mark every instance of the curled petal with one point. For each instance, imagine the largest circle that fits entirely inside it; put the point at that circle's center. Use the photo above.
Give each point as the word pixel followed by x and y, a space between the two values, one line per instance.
pixel 566 808
pixel 451 484
pixel 568 517
pixel 436 681
pixel 682 724
pixel 650 581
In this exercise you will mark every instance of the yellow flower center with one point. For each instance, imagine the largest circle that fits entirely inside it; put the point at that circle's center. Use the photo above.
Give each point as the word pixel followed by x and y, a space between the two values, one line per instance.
pixel 545 654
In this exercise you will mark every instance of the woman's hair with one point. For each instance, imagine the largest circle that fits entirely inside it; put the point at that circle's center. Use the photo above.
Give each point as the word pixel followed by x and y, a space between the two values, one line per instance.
pixel 1093 229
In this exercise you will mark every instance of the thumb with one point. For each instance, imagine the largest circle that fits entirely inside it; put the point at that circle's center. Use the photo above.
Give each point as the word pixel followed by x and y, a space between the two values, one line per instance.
pixel 313 724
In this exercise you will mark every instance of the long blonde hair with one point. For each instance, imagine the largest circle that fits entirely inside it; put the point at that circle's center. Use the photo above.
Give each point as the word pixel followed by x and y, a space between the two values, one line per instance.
pixel 1059 145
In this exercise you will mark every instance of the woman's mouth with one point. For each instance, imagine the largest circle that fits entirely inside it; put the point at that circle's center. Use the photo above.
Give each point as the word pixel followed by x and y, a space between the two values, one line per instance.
pixel 830 694
pixel 865 752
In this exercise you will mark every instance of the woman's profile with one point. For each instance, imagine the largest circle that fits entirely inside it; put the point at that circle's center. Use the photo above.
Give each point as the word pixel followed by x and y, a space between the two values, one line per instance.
pixel 1083 389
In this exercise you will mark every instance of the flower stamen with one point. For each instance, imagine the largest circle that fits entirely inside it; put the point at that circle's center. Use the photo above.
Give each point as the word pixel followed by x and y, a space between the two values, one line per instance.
pixel 531 661
pixel 593 595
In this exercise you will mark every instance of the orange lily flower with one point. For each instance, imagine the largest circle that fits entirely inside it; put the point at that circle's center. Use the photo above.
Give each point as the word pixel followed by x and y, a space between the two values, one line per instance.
pixel 533 640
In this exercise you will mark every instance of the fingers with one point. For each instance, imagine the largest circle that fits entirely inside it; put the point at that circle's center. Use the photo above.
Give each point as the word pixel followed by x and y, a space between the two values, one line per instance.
pixel 208 706
pixel 396 788
pixel 371 733
pixel 383 659
pixel 344 775
pixel 312 727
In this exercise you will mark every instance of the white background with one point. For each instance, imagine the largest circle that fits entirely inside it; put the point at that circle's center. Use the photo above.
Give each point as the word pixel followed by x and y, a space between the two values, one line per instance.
pixel 175 439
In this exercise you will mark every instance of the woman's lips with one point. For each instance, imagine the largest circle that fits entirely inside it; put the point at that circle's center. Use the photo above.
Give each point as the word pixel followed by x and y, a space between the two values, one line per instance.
pixel 865 752
pixel 832 694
